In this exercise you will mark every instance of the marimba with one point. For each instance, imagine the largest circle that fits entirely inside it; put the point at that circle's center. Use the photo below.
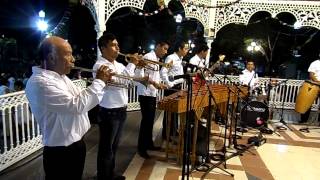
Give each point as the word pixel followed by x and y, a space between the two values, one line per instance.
pixel 177 103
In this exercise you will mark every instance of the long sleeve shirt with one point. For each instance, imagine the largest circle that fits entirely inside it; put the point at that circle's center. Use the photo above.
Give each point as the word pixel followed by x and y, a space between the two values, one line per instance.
pixel 150 90
pixel 60 107
pixel 115 97
pixel 315 68
pixel 197 61
pixel 249 78
pixel 177 69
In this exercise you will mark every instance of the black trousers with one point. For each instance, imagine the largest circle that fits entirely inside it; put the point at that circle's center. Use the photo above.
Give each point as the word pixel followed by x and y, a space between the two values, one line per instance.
pixel 148 109
pixel 64 162
pixel 111 124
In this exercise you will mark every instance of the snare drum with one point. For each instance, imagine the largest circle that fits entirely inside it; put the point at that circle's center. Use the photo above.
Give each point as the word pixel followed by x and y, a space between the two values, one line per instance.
pixel 259 93
pixel 307 95
pixel 254 114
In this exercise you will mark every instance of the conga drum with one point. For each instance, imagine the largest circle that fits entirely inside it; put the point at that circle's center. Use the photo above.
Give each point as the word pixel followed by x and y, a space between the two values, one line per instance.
pixel 306 96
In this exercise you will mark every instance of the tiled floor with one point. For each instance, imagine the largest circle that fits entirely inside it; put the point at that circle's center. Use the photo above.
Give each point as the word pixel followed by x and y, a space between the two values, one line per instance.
pixel 292 155
pixel 286 155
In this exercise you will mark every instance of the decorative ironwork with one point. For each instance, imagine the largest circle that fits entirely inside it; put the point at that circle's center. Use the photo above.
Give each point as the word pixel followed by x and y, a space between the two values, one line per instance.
pixel 92 5
pixel 197 12
pixel 62 28
pixel 306 12
pixel 113 5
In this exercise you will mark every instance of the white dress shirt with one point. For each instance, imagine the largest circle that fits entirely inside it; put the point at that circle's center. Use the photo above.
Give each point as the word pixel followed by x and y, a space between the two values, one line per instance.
pixel 248 78
pixel 177 69
pixel 115 97
pixel 197 61
pixel 315 68
pixel 150 90
pixel 60 107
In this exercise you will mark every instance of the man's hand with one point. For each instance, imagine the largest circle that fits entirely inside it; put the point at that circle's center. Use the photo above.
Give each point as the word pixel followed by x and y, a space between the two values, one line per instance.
pixel 104 73
pixel 163 86
pixel 136 59
pixel 159 85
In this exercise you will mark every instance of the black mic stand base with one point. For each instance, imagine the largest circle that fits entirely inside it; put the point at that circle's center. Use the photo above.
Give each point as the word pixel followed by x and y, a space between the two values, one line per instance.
pixel 307 129
pixel 284 126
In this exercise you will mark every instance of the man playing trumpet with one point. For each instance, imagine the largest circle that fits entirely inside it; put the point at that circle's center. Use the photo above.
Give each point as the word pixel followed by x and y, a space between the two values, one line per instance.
pixel 60 108
pixel 147 98
pixel 113 107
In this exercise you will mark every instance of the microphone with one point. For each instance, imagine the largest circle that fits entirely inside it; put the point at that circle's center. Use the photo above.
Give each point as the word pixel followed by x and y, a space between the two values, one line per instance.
pixel 184 76
pixel 184 63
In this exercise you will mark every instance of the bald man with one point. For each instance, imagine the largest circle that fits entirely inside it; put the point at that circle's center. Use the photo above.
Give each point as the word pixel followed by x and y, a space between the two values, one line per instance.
pixel 61 109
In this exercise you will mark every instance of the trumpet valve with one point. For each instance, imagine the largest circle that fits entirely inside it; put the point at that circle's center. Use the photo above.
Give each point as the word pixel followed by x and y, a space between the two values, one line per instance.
pixel 169 65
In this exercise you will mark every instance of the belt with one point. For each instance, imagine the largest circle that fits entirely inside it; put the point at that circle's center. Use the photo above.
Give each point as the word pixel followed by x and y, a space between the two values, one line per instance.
pixel 120 109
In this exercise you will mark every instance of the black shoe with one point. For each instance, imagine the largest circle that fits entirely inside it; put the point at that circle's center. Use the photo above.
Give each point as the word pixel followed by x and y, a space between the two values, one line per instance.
pixel 303 121
pixel 154 148
pixel 119 177
pixel 242 129
pixel 144 154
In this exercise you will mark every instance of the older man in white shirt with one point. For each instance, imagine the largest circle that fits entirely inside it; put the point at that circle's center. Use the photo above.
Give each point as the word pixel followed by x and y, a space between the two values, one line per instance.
pixel 60 108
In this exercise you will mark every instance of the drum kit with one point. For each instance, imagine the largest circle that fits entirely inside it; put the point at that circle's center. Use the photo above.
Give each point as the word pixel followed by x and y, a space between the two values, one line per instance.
pixel 255 112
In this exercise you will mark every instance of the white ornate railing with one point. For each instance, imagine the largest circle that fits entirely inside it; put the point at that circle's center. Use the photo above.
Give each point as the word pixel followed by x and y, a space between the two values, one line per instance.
pixel 20 135
pixel 283 94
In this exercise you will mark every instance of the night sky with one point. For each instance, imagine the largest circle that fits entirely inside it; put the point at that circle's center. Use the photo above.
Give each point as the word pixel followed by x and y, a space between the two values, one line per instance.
pixel 17 21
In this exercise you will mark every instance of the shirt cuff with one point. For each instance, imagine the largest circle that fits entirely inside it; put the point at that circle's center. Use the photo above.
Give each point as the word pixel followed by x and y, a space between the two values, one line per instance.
pixel 97 87
pixel 130 67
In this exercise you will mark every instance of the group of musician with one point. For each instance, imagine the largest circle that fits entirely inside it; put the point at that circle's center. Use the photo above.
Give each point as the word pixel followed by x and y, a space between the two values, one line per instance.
pixel 61 108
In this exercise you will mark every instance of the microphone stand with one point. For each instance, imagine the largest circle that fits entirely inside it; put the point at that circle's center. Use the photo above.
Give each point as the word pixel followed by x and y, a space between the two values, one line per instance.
pixel 268 105
pixel 187 134
pixel 240 150
pixel 211 97
pixel 282 108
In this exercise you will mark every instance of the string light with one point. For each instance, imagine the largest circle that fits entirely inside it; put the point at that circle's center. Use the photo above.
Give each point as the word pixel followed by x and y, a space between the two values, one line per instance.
pixel 191 3
pixel 143 13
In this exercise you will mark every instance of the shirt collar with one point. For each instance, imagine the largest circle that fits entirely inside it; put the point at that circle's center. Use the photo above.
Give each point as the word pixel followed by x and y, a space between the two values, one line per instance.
pixel 178 57
pixel 246 70
pixel 106 60
pixel 154 54
pixel 46 72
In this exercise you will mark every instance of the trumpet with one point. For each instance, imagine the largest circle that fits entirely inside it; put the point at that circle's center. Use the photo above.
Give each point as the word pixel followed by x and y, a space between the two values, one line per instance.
pixel 144 81
pixel 147 62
